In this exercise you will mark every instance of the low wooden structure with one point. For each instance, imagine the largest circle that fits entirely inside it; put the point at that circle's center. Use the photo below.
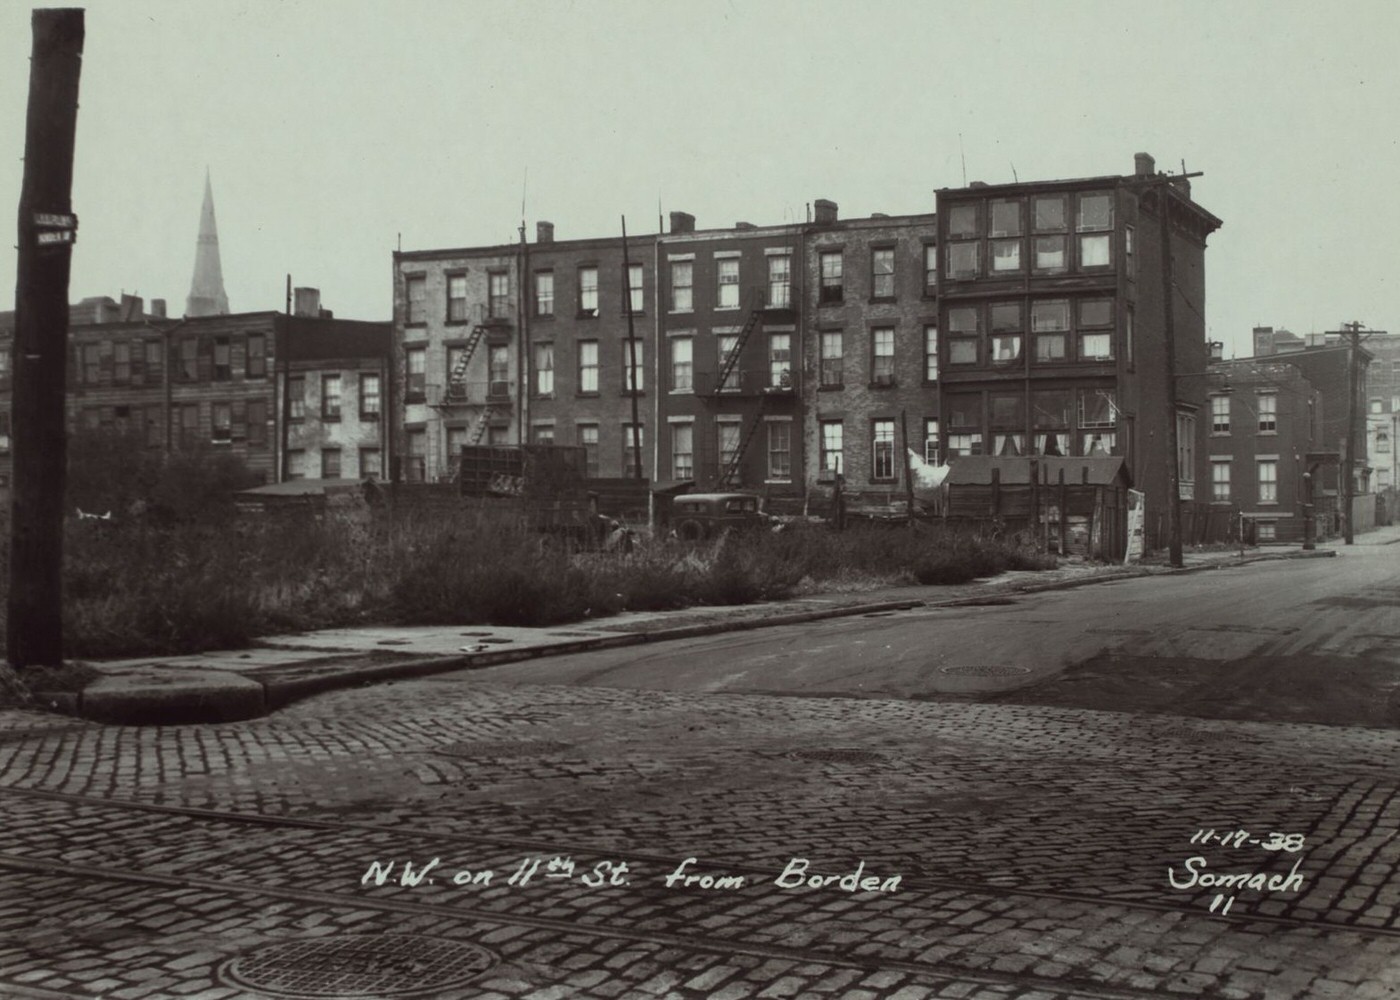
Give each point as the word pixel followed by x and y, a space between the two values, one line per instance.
pixel 1074 506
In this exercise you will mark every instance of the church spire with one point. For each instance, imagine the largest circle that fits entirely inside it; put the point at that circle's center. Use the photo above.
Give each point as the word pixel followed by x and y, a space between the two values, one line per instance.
pixel 207 296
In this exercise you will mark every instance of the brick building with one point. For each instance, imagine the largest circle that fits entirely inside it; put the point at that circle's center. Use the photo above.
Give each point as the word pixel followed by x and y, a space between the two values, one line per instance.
pixel 1263 418
pixel 1052 323
pixel 870 332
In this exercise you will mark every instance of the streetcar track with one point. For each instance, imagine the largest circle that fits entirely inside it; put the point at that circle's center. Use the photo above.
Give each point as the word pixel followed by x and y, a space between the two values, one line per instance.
pixel 692 942
pixel 548 847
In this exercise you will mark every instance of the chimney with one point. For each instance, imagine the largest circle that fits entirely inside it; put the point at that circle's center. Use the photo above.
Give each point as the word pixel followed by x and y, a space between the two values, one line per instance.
pixel 1144 165
pixel 131 308
pixel 104 311
pixel 158 308
pixel 744 226
pixel 682 222
pixel 1263 341
pixel 879 215
pixel 1217 347
pixel 308 302
pixel 1183 185
pixel 544 232
pixel 978 184
pixel 824 212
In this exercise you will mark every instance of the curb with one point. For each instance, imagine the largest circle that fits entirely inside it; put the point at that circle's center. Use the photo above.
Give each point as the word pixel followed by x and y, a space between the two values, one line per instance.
pixel 279 687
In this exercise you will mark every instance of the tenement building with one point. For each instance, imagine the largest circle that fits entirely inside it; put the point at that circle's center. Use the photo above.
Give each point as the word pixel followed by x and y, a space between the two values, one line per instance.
pixel 1053 325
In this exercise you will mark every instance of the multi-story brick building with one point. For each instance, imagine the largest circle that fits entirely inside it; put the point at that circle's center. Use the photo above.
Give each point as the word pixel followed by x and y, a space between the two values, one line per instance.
pixel 871 347
pixel 1052 323
pixel 1263 418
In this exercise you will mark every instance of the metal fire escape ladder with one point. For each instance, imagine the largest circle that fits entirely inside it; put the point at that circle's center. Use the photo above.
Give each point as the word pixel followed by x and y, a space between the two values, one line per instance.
pixel 457 380
pixel 731 471
pixel 479 431
pixel 731 360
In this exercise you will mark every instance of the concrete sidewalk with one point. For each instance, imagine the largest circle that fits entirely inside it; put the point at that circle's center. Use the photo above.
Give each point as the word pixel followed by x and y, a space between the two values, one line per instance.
pixel 224 686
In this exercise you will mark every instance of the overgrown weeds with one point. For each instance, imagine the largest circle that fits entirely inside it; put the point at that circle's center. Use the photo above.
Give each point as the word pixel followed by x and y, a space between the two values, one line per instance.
pixel 136 589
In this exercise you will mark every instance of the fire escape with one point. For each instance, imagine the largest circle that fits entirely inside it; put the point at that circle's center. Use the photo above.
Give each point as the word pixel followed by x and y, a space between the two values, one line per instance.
pixel 773 385
pixel 460 394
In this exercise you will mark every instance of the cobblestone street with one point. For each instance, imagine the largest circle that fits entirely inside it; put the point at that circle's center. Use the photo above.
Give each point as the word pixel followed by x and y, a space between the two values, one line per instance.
pixel 472 836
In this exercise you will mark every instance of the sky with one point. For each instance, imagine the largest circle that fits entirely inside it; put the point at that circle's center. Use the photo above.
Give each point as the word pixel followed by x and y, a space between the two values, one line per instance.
pixel 335 131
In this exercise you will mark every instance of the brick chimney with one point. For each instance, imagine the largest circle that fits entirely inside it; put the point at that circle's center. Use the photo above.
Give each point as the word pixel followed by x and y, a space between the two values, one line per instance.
pixel 824 212
pixel 1144 165
pixel 131 307
pixel 158 308
pixel 544 232
pixel 682 222
pixel 1217 350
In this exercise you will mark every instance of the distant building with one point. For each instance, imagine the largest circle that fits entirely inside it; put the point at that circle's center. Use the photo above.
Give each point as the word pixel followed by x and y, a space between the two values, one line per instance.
pixel 1052 328
pixel 207 296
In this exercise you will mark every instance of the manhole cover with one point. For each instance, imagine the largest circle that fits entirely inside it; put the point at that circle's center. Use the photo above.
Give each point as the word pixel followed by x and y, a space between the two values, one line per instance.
pixel 839 755
pixel 387 965
pixel 503 748
pixel 985 670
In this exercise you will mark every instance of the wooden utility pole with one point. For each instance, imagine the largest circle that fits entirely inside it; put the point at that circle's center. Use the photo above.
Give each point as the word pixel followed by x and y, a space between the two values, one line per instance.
pixel 1169 317
pixel 1349 472
pixel 47 228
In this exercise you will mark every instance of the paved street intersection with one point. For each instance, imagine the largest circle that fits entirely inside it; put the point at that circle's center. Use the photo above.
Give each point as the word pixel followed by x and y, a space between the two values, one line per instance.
pixel 524 834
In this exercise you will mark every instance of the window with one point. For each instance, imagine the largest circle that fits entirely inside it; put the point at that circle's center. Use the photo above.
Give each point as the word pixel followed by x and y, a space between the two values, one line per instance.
pixel 682 451
pixel 1005 223
pixel 1374 406
pixel 962 220
pixel 188 417
pixel 636 297
pixel 1098 416
pixel 330 397
pixel 1265 531
pixel 727 344
pixel 1268 480
pixel 456 298
pixel 257 356
pixel 831 446
pixel 1186 455
pixel 1008 423
pixel 682 286
pixel 831 289
pixel 544 293
pixel 498 435
pixel 780 360
pixel 1008 332
pixel 930 268
pixel 369 396
pixel 121 370
pixel 682 363
pixel 189 359
pixel 1220 414
pixel 498 292
pixel 296 397
pixel 882 356
pixel 633 438
pixel 728 434
pixel 1382 442
pixel 416 370
pixel 963 259
pixel 1096 329
pixel 543 433
pixel 1050 418
pixel 588 441
pixel 544 369
pixel 257 422
pixel 728 278
pixel 220 422
pixel 964 330
pixel 832 358
pixel 587 291
pixel 1094 216
pixel 1049 213
pixel 154 354
pixel 779 449
pixel 1268 413
pixel 1220 479
pixel 456 440
pixel 882 449
pixel 415 290
pixel 633 367
pixel 416 461
pixel 1130 262
pixel 498 371
pixel 882 273
pixel 588 366
pixel 296 463
pixel 779 282
pixel 931 440
pixel 330 463
pixel 1128 335
pixel 371 464
pixel 1050 325
pixel 931 352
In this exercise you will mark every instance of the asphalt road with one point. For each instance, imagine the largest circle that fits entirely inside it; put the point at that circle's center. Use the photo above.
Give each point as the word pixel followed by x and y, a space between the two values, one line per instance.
pixel 1309 640
pixel 1005 801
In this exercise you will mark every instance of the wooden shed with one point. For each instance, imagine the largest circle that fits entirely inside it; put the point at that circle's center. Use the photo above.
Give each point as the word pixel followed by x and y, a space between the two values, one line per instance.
pixel 1075 506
